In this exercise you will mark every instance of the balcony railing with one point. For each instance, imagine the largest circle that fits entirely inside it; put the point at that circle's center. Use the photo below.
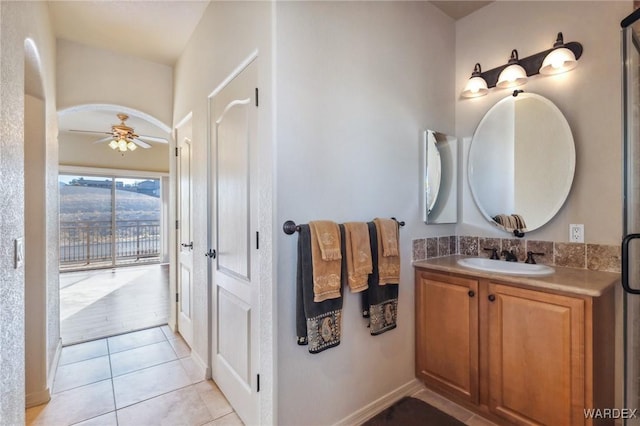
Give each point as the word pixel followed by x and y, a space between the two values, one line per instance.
pixel 87 244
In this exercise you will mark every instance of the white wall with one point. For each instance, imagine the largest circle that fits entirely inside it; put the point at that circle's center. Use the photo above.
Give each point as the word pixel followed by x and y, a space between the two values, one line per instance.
pixel 589 97
pixel 19 20
pixel 89 75
pixel 357 83
pixel 227 34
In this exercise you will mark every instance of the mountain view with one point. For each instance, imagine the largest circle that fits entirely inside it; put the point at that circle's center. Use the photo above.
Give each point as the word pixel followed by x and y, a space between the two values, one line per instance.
pixel 81 203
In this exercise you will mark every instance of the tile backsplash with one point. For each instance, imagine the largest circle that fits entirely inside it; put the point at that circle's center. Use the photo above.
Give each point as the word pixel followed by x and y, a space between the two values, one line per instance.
pixel 597 257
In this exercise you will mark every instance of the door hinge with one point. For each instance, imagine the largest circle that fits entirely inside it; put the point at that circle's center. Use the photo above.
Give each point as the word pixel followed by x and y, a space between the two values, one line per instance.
pixel 177 151
pixel 257 240
pixel 176 297
pixel 257 97
pixel 177 224
pixel 258 380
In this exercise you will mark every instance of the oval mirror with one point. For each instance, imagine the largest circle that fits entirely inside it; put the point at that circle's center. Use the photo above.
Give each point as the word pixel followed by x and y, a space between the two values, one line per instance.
pixel 521 163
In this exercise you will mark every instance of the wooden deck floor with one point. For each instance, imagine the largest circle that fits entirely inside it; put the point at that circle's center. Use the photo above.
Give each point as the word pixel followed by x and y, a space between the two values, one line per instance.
pixel 101 303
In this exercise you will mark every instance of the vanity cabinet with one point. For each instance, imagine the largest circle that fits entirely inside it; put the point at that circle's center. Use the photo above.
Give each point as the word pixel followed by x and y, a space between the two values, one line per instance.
pixel 517 355
pixel 536 356
pixel 447 334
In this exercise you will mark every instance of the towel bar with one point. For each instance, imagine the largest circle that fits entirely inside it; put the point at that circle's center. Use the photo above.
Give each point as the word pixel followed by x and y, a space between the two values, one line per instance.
pixel 290 227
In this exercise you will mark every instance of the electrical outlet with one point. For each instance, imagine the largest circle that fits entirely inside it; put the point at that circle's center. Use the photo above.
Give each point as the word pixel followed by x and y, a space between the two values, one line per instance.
pixel 576 233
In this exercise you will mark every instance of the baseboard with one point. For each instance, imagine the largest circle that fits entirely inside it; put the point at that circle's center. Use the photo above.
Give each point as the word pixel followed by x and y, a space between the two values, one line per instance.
pixel 41 397
pixel 202 366
pixel 37 398
pixel 370 410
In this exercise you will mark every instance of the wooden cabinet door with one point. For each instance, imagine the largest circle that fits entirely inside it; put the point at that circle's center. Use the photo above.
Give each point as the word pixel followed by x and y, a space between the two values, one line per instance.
pixel 536 356
pixel 447 333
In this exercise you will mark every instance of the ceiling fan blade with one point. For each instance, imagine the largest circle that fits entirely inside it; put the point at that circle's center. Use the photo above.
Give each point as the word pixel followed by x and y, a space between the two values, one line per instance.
pixel 90 131
pixel 153 139
pixel 141 144
pixel 108 138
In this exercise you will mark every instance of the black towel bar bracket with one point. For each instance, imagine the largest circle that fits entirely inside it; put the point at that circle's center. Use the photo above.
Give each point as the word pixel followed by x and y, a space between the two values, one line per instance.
pixel 290 227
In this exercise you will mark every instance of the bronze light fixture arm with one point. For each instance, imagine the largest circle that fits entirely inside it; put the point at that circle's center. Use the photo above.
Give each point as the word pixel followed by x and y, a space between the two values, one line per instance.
pixel 531 64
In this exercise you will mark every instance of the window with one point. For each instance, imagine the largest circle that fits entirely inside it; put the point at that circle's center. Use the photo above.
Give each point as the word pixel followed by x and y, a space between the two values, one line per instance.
pixel 109 221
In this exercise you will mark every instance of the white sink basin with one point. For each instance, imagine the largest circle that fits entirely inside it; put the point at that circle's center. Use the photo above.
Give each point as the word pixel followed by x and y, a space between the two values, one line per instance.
pixel 504 267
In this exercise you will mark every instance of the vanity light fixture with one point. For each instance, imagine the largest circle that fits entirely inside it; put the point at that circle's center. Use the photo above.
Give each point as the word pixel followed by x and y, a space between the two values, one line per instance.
pixel 559 60
pixel 513 75
pixel 476 86
pixel 561 57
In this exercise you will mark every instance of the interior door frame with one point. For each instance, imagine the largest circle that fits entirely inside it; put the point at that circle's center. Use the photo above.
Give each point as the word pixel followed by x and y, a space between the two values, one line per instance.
pixel 266 364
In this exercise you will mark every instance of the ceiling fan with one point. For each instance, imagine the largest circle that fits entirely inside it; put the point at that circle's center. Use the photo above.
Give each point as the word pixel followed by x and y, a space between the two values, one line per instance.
pixel 123 137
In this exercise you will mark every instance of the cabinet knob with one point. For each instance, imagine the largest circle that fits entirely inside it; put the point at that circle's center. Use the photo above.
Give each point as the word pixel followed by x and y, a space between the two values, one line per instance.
pixel 471 293
pixel 492 297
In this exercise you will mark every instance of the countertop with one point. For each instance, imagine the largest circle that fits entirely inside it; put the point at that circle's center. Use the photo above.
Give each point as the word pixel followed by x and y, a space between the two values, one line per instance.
pixel 568 280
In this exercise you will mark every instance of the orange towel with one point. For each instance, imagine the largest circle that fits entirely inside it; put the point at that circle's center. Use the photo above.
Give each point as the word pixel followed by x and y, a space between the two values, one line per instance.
pixel 388 231
pixel 326 273
pixel 358 253
pixel 327 234
pixel 388 264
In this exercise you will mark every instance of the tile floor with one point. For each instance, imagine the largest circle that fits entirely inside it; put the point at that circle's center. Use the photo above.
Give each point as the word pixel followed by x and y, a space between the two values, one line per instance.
pixel 452 409
pixel 141 378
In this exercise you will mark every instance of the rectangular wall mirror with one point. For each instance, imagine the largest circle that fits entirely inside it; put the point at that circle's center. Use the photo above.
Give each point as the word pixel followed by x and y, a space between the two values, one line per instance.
pixel 439 173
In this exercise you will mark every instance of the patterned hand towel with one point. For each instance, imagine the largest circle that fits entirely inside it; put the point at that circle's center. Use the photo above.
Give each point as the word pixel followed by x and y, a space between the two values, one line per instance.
pixel 388 234
pixel 388 265
pixel 317 324
pixel 327 233
pixel 358 254
pixel 379 302
pixel 326 270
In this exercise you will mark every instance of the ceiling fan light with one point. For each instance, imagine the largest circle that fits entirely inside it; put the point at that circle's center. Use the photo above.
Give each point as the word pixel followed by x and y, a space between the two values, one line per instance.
pixel 113 144
pixel 122 145
pixel 132 146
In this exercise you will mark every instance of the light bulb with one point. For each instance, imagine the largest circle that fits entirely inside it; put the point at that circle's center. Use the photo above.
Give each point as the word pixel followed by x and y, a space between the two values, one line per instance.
pixel 476 86
pixel 514 74
pixel 558 61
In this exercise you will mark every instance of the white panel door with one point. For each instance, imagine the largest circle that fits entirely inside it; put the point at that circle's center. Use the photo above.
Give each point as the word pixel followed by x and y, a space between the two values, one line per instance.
pixel 235 284
pixel 185 232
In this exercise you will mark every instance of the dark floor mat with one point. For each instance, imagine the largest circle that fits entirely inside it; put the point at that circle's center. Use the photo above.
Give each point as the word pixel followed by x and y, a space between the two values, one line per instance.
pixel 411 411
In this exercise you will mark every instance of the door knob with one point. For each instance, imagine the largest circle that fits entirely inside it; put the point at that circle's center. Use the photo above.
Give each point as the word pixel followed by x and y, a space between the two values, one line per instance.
pixel 185 245
pixel 471 293
pixel 492 297
pixel 211 254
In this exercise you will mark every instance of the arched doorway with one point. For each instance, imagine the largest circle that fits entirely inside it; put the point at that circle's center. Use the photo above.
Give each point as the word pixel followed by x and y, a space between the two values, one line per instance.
pixel 114 212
